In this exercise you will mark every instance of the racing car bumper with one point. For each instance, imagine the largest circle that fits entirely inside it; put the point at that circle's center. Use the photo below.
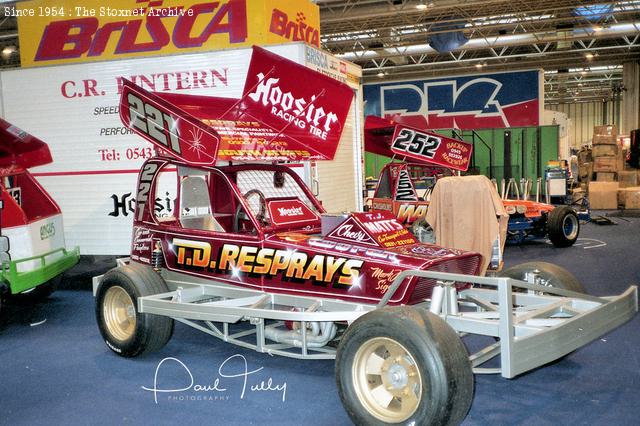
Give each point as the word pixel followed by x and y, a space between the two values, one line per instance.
pixel 51 264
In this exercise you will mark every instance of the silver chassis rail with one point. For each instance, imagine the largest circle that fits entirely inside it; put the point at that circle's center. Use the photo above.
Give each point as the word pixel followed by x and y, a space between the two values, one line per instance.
pixel 532 328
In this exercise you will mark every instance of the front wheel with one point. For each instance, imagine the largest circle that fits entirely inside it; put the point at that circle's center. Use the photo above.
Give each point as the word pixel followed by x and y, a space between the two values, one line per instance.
pixel 125 330
pixel 403 365
pixel 563 226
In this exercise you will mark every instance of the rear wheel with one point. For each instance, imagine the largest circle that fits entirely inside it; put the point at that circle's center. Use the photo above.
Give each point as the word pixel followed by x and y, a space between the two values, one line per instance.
pixel 563 226
pixel 403 365
pixel 551 275
pixel 125 330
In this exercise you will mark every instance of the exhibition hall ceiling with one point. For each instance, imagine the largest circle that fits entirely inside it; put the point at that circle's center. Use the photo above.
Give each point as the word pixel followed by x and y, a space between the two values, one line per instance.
pixel 581 45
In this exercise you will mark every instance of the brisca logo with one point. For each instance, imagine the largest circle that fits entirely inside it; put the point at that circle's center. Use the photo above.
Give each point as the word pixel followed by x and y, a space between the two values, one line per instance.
pixel 87 36
pixel 297 30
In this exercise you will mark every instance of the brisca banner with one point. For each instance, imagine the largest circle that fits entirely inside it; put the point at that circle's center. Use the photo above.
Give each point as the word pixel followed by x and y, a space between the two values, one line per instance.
pixel 83 31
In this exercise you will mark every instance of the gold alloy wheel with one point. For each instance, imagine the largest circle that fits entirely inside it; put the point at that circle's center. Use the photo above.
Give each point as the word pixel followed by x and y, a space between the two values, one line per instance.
pixel 119 313
pixel 387 380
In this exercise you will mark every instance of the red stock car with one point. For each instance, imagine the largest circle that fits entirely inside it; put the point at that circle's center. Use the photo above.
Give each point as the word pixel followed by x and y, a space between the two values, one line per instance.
pixel 400 183
pixel 251 257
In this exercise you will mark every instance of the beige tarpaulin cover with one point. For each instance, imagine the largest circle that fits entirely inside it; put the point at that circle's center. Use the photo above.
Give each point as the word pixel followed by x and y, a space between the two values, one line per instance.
pixel 467 213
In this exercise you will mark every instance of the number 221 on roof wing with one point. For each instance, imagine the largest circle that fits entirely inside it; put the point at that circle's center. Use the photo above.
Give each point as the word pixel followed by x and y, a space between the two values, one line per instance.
pixel 167 127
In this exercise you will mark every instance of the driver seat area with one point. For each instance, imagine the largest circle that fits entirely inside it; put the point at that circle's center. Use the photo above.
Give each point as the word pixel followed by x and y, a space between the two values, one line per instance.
pixel 194 198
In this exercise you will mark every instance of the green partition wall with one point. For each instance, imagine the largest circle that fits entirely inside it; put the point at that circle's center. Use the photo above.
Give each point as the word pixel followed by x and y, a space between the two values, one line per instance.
pixel 528 150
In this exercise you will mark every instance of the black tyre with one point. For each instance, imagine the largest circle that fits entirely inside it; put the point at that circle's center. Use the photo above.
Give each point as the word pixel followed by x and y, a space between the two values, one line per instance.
pixel 38 293
pixel 403 365
pixel 126 331
pixel 552 275
pixel 563 226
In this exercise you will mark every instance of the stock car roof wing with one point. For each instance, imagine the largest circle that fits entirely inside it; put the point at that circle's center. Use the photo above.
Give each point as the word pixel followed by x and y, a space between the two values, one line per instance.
pixel 390 138
pixel 287 112
pixel 20 149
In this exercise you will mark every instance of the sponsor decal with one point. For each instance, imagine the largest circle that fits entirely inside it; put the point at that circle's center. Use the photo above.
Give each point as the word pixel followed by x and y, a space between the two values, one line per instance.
pixel 435 251
pixel 384 278
pixel 141 240
pixel 47 230
pixel 286 212
pixel 381 205
pixel 385 229
pixel 351 231
pixel 404 188
pixel 409 213
pixel 375 254
pixel 125 204
pixel 465 102
pixel 312 114
pixel 301 112
pixel 288 265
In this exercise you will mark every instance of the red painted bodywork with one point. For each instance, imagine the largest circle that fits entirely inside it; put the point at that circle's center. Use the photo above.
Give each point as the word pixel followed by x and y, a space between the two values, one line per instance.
pixel 390 138
pixel 367 263
pixel 355 259
pixel 25 200
pixel 275 119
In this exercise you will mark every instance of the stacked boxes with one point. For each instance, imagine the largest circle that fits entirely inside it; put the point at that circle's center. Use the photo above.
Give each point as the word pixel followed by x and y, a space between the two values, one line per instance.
pixel 614 187
pixel 629 198
pixel 605 153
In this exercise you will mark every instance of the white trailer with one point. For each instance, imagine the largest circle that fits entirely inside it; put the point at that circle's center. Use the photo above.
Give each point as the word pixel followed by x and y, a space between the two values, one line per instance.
pixel 74 109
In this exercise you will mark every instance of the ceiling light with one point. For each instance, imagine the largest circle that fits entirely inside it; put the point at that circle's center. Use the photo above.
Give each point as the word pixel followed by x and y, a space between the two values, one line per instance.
pixel 479 66
pixel 421 6
pixel 381 74
pixel 8 50
pixel 589 56
pixel 597 28
pixel 583 72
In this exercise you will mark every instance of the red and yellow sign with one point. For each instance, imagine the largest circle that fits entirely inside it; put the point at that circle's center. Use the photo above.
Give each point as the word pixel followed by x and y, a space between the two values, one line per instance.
pixel 85 31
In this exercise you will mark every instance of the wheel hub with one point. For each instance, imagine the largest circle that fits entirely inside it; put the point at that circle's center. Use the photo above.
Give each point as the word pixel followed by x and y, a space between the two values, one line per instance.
pixel 119 313
pixel 397 376
pixel 387 380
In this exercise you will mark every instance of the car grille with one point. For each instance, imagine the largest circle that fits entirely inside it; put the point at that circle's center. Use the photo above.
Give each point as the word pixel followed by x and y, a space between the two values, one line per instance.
pixel 466 265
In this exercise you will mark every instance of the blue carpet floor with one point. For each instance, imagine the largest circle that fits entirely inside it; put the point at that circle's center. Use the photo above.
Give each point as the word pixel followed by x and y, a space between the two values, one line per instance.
pixel 61 372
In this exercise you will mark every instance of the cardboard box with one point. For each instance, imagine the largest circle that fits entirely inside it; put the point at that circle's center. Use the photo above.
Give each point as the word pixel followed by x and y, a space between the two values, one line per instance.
pixel 605 150
pixel 604 140
pixel 605 164
pixel 605 130
pixel 606 177
pixel 620 160
pixel 603 195
pixel 629 198
pixel 628 179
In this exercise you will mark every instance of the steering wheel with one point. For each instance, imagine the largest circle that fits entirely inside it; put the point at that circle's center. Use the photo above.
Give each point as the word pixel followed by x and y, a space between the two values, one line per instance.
pixel 240 217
